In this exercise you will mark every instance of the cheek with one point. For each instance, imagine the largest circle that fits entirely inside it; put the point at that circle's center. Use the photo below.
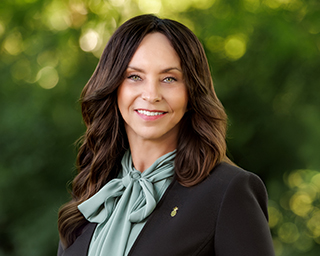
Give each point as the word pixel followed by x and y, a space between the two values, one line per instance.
pixel 122 97
pixel 121 101
pixel 177 98
pixel 181 102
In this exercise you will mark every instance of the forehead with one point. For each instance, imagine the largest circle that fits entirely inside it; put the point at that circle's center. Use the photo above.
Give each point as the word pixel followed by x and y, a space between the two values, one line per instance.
pixel 155 47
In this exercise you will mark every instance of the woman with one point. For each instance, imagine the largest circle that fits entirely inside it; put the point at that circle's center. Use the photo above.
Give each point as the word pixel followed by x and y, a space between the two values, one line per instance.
pixel 153 177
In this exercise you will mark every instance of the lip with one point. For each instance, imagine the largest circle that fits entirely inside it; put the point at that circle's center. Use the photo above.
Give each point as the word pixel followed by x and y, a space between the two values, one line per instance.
pixel 150 117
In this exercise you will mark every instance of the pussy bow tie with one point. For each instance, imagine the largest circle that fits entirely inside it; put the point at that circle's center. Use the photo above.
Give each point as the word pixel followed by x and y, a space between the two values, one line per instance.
pixel 137 190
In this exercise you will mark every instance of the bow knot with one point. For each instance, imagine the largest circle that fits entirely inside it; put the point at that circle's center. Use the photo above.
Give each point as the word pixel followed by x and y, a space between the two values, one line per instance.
pixel 132 176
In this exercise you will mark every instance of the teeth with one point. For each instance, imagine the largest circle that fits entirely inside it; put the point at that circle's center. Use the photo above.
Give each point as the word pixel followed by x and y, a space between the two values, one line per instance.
pixel 148 113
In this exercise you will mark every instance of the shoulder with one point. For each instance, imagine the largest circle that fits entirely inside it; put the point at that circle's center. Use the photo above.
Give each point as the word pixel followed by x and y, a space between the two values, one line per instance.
pixel 234 187
pixel 227 172
pixel 229 178
pixel 240 192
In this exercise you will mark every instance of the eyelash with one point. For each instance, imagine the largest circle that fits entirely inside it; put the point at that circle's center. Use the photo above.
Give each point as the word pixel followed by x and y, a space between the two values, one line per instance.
pixel 138 78
pixel 171 78
pixel 135 77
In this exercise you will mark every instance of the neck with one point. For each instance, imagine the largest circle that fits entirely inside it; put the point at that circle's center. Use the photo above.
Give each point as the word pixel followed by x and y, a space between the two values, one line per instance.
pixel 145 153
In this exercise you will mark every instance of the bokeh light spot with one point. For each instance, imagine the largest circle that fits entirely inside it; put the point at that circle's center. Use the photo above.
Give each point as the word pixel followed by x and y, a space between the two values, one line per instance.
pixel 47 77
pixel 79 7
pixel 295 179
pixel 288 232
pixel 57 16
pixel 301 204
pixel 235 46
pixel 78 14
pixel 89 41
pixel 59 21
pixel 13 43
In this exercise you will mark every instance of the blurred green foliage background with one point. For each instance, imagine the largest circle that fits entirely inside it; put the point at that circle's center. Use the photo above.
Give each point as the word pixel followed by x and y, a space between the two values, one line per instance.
pixel 265 61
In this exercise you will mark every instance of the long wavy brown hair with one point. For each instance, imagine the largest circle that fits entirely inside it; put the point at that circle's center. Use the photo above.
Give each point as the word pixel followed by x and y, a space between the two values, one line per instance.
pixel 201 142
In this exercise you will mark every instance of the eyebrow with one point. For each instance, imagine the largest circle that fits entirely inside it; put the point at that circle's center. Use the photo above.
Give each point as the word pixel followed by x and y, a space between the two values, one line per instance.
pixel 162 71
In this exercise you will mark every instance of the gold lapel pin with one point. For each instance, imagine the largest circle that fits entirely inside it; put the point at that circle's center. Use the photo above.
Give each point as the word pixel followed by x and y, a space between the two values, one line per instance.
pixel 174 211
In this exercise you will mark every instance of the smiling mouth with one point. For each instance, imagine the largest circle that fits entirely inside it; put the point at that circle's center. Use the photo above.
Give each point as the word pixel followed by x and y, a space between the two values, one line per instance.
pixel 150 113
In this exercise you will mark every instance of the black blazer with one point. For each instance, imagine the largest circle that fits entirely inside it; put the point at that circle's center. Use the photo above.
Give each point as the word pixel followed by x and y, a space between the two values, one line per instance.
pixel 224 215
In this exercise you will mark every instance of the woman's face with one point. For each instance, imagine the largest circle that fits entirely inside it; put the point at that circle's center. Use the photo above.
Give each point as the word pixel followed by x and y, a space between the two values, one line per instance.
pixel 153 97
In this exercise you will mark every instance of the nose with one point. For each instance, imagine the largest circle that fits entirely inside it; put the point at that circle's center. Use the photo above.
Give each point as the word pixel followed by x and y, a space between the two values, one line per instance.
pixel 151 92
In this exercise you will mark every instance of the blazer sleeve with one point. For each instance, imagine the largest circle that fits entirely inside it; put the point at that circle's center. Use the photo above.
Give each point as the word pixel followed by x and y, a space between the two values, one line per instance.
pixel 242 223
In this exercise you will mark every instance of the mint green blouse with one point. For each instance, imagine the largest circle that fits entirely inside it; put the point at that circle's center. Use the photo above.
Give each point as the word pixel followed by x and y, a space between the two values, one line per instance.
pixel 122 207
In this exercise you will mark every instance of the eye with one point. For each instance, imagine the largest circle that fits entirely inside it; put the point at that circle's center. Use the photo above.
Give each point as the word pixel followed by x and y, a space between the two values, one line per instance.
pixel 134 78
pixel 169 79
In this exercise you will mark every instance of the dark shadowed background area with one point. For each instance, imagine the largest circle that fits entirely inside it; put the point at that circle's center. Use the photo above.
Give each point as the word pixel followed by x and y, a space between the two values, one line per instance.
pixel 265 61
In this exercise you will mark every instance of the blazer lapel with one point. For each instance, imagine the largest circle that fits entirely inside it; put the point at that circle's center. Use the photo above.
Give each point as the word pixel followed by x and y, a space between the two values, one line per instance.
pixel 80 247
